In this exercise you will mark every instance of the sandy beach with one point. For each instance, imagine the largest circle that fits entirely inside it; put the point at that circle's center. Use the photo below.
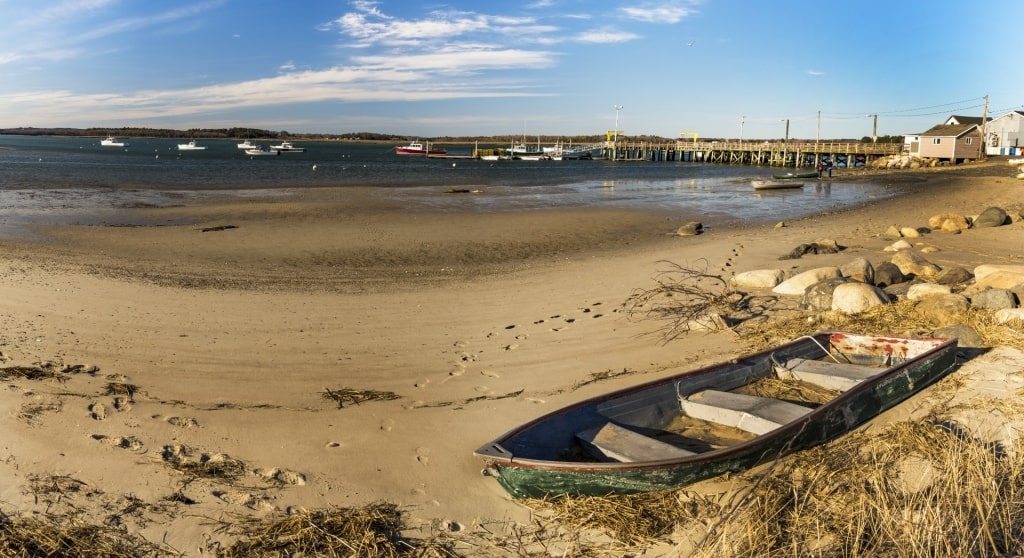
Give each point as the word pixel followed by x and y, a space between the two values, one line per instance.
pixel 229 329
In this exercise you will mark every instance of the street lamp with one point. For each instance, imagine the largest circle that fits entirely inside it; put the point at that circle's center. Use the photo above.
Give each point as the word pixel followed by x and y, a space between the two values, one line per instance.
pixel 786 120
pixel 874 127
pixel 615 133
pixel 742 118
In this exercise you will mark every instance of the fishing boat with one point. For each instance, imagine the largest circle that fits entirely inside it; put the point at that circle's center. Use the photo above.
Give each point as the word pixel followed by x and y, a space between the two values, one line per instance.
pixel 257 151
pixel 417 148
pixel 722 418
pixel 519 150
pixel 791 175
pixel 111 141
pixel 287 147
pixel 775 184
pixel 191 146
pixel 247 144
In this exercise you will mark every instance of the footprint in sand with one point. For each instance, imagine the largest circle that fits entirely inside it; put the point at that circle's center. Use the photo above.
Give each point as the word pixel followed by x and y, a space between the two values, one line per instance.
pixel 534 400
pixel 281 476
pixel 511 347
pixel 122 403
pixel 423 455
pixel 490 374
pixel 458 369
pixel 332 445
pixel 98 411
pixel 387 424
pixel 182 422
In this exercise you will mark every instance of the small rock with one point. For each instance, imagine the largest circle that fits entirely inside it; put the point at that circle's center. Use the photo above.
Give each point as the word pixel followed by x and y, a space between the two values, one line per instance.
pixel 758 278
pixel 944 310
pixel 887 274
pixel 692 228
pixel 965 334
pixel 1009 315
pixel 797 284
pixel 898 245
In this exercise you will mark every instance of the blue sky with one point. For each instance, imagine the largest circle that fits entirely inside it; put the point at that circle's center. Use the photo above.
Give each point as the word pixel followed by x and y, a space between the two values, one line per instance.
pixel 526 67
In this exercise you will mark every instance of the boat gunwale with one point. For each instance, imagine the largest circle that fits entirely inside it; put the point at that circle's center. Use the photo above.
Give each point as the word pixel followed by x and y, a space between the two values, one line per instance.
pixel 788 429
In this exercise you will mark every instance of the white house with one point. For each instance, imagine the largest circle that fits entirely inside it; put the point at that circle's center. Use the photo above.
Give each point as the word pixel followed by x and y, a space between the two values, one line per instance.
pixel 1004 135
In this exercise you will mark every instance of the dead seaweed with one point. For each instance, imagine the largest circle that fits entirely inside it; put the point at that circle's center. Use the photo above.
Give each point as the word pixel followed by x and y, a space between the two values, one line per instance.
pixel 65 536
pixel 351 396
pixel 195 463
pixel 374 531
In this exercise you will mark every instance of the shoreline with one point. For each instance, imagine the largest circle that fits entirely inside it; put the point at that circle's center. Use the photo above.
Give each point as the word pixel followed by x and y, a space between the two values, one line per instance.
pixel 476 322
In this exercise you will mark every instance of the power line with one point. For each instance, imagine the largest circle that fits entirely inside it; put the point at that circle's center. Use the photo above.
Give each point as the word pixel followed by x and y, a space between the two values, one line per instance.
pixel 897 113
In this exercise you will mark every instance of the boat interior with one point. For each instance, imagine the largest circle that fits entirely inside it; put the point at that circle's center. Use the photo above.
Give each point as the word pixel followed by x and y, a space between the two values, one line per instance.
pixel 707 409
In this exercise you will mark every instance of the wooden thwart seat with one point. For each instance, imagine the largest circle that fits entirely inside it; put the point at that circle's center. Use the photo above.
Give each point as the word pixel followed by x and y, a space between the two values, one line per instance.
pixel 750 413
pixel 612 442
pixel 829 375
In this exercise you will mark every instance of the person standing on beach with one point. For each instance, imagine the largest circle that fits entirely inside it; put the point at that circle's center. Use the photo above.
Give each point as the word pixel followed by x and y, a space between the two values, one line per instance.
pixel 829 170
pixel 819 169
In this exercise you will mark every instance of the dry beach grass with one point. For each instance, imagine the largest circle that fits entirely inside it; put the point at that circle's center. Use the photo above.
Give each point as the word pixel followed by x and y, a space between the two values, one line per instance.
pixel 311 373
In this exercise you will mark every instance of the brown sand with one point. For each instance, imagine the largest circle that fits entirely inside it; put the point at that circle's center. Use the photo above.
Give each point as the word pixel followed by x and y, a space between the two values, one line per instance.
pixel 478 322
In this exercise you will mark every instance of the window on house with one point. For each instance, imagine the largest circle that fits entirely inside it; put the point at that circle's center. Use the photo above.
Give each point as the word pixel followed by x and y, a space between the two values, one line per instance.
pixel 936 141
pixel 970 141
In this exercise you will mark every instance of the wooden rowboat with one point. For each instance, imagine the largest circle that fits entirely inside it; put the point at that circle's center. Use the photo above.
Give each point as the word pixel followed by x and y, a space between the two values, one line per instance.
pixel 775 184
pixel 726 417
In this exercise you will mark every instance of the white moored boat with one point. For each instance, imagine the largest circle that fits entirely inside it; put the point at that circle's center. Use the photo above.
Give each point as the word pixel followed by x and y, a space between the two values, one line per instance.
pixel 287 147
pixel 111 141
pixel 190 146
pixel 248 145
pixel 257 152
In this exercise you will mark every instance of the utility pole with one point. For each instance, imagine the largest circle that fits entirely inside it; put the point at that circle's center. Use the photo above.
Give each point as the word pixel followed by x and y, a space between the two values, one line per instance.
pixel 742 118
pixel 984 136
pixel 615 134
pixel 874 127
pixel 817 138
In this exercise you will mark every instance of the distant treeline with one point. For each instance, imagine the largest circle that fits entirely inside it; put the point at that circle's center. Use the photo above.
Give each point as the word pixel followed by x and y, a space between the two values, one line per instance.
pixel 258 133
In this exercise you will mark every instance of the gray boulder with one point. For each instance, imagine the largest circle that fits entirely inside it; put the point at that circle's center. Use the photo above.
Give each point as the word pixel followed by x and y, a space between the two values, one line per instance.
pixel 994 299
pixel 887 274
pixel 692 228
pixel 912 263
pixel 818 297
pixel 991 217
pixel 758 279
pixel 859 269
pixel 944 310
pixel 954 275
pixel 797 284
pixel 965 334
pixel 854 298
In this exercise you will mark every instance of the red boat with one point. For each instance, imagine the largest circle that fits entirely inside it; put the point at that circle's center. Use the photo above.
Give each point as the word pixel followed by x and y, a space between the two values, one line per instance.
pixel 416 148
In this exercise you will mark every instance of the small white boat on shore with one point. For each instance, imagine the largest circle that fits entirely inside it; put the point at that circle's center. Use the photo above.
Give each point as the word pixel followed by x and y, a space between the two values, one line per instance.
pixel 191 146
pixel 775 184
pixel 111 141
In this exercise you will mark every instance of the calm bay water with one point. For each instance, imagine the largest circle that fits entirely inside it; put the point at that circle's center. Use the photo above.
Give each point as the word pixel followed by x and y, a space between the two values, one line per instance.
pixel 76 179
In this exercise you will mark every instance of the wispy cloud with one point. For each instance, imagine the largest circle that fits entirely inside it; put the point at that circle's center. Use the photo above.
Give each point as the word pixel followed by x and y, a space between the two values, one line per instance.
pixel 657 12
pixel 441 55
pixel 815 73
pixel 51 33
pixel 606 36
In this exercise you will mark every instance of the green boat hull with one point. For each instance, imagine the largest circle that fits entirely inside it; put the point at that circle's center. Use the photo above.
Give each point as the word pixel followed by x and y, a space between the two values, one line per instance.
pixel 523 477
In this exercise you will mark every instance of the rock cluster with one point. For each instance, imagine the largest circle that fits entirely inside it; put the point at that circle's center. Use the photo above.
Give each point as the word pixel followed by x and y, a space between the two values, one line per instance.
pixel 906 162
pixel 942 295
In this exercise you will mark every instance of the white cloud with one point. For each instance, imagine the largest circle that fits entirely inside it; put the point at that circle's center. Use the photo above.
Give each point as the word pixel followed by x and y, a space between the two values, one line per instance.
pixel 603 36
pixel 661 12
pixel 815 73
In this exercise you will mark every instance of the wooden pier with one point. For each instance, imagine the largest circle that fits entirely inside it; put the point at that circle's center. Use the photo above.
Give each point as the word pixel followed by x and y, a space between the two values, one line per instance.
pixel 770 154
